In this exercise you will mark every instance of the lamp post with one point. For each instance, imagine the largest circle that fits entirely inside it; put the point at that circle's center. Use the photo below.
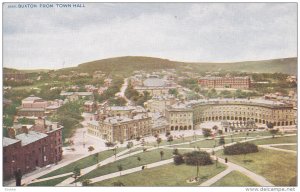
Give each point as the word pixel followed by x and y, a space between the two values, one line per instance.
pixel 83 135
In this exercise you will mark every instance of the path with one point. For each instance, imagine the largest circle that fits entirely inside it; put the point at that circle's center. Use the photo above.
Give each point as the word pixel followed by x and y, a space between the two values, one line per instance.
pixel 121 156
pixel 270 146
pixel 231 166
pixel 129 171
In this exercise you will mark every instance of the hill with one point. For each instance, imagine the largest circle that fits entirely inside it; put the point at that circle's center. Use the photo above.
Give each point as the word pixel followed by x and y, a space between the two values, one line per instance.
pixel 125 65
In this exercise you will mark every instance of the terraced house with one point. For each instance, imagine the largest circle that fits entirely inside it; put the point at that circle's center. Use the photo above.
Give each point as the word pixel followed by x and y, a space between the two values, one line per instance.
pixel 183 116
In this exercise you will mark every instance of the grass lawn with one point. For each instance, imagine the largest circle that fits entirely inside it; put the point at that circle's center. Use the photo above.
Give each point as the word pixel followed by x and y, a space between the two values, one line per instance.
pixel 251 134
pixel 133 150
pixel 276 166
pixel 130 162
pixel 235 178
pixel 82 163
pixel 276 140
pixel 209 143
pixel 166 175
pixel 288 147
pixel 51 182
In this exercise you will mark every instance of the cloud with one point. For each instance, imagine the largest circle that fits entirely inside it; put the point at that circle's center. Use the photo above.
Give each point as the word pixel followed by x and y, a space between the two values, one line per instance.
pixel 53 38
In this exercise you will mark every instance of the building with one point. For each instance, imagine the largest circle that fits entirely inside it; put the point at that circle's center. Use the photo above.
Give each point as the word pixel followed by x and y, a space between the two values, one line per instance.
pixel 15 76
pixel 180 117
pixel 160 123
pixel 33 106
pixel 225 82
pixel 159 103
pixel 156 86
pixel 121 128
pixel 238 111
pixel 89 106
pixel 74 96
pixel 39 146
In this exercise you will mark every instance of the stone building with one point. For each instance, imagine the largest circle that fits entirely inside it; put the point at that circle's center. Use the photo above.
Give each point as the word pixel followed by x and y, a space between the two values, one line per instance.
pixel 225 82
pixel 180 117
pixel 159 103
pixel 235 111
pixel 33 106
pixel 121 128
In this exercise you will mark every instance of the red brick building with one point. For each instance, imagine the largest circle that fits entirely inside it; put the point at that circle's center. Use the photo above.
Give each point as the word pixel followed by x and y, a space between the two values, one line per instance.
pixel 37 147
pixel 226 82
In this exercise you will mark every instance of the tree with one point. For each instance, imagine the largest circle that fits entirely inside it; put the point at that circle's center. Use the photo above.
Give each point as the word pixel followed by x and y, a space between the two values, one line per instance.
pixel 120 168
pixel 96 156
pixel 206 132
pixel 158 140
pixel 86 182
pixel 222 141
pixel 168 133
pixel 273 132
pixel 173 92
pixel 220 132
pixel 139 158
pixel 161 154
pixel 109 144
pixel 170 139
pixel 215 127
pixel 76 172
pixel 129 145
pixel 91 148
pixel 175 152
pixel 178 159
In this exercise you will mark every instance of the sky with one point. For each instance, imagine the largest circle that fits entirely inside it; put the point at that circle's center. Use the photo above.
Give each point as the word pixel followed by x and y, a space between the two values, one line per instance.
pixel 52 38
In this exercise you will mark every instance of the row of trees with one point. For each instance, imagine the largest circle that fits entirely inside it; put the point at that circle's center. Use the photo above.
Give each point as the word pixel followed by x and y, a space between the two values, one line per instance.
pixel 135 96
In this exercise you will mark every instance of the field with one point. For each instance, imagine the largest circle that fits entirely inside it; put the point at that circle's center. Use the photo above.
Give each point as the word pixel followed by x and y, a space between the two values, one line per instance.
pixel 129 162
pixel 166 175
pixel 235 179
pixel 82 163
pixel 51 182
pixel 288 147
pixel 276 140
pixel 276 166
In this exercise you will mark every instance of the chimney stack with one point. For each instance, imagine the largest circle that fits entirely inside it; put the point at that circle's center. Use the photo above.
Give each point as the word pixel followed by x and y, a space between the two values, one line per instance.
pixel 24 129
pixel 11 133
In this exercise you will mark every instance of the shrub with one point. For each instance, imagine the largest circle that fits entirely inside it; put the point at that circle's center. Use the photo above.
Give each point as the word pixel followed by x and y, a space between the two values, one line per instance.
pixel 206 132
pixel 197 157
pixel 178 159
pixel 240 148
pixel 175 152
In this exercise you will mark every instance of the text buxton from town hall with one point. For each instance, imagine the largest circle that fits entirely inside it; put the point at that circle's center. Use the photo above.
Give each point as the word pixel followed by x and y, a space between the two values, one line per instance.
pixel 46 5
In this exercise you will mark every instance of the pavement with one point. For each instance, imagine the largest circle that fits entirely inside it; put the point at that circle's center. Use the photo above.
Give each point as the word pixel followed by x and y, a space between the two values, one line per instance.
pixel 258 179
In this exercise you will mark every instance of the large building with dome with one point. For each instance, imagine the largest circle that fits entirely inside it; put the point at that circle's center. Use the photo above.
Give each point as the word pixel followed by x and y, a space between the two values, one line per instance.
pixel 156 86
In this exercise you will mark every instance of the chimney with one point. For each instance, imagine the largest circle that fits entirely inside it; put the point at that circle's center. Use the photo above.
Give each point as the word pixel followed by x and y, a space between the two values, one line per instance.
pixel 24 129
pixel 40 122
pixel 11 133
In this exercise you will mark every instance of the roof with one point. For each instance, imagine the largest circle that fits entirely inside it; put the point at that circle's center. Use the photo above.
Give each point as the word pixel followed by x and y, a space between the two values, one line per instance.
pixel 93 122
pixel 76 93
pixel 117 119
pixel 32 109
pixel 154 82
pixel 32 98
pixel 8 141
pixel 121 108
pixel 31 137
